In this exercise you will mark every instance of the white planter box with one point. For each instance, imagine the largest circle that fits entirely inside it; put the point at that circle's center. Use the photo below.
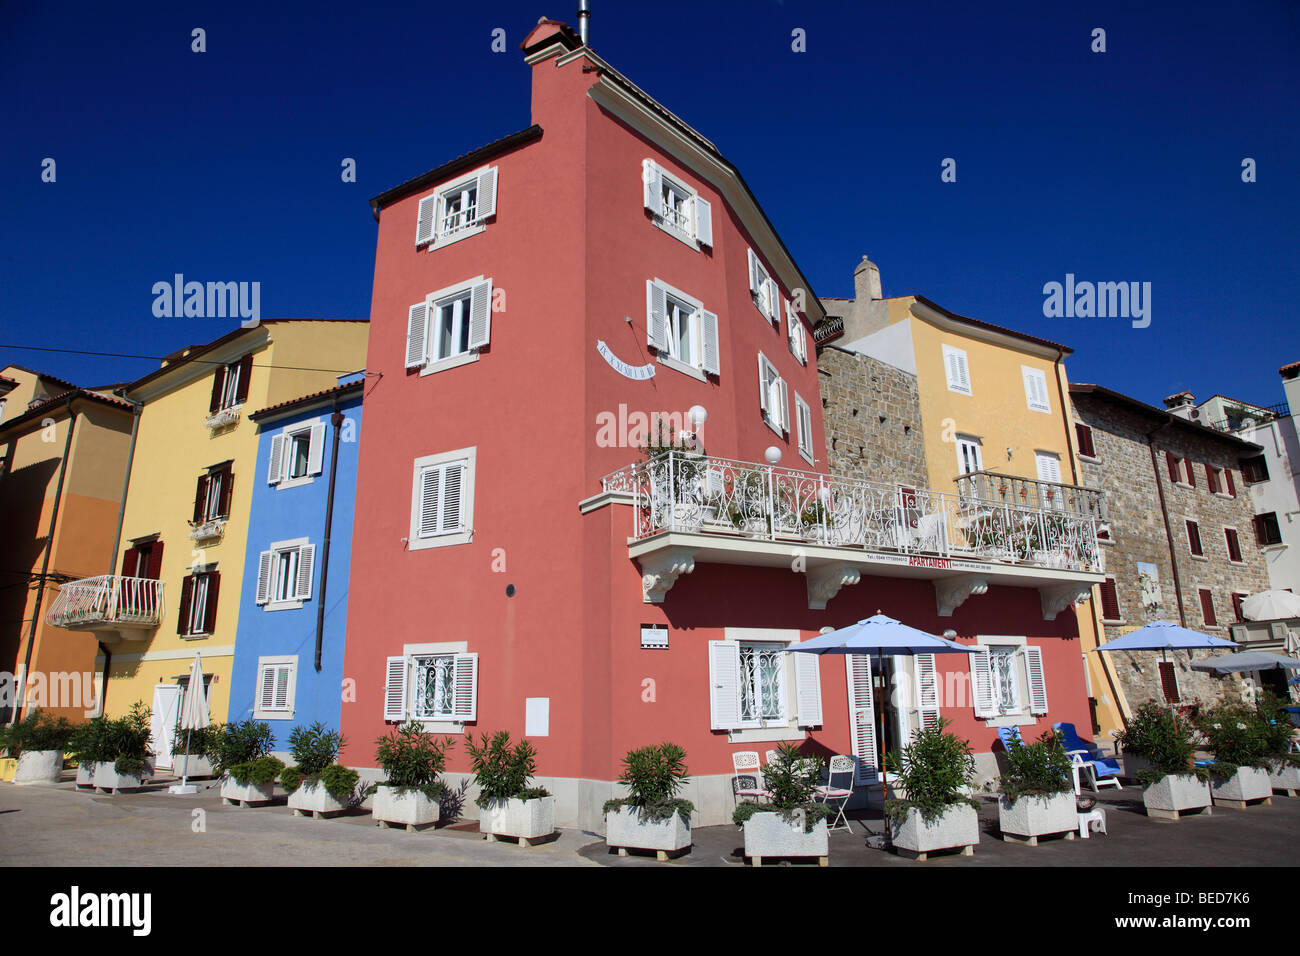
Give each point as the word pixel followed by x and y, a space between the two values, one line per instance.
pixel 525 820
pixel 245 793
pixel 625 830
pixel 768 834
pixel 958 826
pixel 1028 818
pixel 1284 776
pixel 85 775
pixel 314 799
pixel 106 778
pixel 199 766
pixel 410 809
pixel 1174 793
pixel 1248 783
pixel 39 766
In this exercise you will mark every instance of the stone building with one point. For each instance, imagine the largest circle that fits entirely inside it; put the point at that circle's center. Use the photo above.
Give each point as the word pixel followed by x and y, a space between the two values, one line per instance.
pixel 1179 545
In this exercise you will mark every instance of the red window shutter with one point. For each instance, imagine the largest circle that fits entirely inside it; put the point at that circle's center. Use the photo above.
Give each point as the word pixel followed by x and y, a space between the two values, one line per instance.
pixel 1236 608
pixel 1207 607
pixel 245 372
pixel 1191 475
pixel 1194 538
pixel 1259 529
pixel 1211 479
pixel 1234 546
pixel 1232 487
pixel 210 611
pixel 223 503
pixel 153 571
pixel 128 566
pixel 1168 682
pixel 1109 600
pixel 1172 460
pixel 1084 435
pixel 201 498
pixel 218 382
pixel 187 594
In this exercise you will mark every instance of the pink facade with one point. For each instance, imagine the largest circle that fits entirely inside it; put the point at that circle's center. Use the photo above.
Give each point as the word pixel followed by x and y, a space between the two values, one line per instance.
pixel 569 253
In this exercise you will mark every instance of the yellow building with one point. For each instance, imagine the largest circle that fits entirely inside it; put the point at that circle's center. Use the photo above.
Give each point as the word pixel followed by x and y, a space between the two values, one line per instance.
pixel 176 588
pixel 996 420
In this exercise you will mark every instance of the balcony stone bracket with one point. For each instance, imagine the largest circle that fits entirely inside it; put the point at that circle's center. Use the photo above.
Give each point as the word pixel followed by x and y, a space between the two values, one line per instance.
pixel 1061 596
pixel 660 571
pixel 825 582
pixel 951 593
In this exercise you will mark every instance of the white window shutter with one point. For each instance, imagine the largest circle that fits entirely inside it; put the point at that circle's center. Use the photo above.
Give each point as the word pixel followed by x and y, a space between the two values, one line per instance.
pixel 963 372
pixel 395 690
pixel 703 222
pixel 808 689
pixel 430 482
pixel 316 451
pixel 1049 468
pixel 783 396
pixel 653 186
pixel 753 272
pixel 417 322
pixel 264 577
pixel 804 423
pixel 862 718
pixel 791 327
pixel 266 693
pixel 487 194
pixel 465 687
pixel 306 561
pixel 656 316
pixel 453 478
pixel 724 685
pixel 274 467
pixel 480 314
pixel 981 682
pixel 1037 682
pixel 763 397
pixel 927 690
pixel 280 693
pixel 773 298
pixel 424 220
pixel 709 328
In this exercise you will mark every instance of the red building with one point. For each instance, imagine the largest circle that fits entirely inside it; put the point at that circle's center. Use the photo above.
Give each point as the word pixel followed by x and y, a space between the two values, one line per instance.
pixel 515 563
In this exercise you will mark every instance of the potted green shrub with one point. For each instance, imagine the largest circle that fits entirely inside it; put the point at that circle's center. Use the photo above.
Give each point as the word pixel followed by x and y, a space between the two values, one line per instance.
pixel 1238 736
pixel 126 760
pixel 316 784
pixel 1037 792
pixel 240 754
pixel 651 816
pixel 1283 765
pixel 89 745
pixel 411 760
pixel 508 806
pixel 190 752
pixel 1171 784
pixel 38 742
pixel 791 823
pixel 935 772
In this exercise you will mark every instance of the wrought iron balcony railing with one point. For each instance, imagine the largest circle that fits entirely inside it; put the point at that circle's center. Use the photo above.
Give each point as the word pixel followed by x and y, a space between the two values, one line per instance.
pixel 684 492
pixel 108 601
pixel 983 488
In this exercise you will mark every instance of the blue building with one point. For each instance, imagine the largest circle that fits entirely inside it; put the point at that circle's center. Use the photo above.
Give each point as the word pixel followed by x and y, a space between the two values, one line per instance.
pixel 293 609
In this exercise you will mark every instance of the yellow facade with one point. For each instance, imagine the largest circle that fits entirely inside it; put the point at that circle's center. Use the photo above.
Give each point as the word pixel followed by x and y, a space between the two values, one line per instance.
pixel 174 447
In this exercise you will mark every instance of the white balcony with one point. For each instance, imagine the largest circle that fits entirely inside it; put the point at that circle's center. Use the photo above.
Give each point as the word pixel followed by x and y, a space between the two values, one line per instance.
pixel 223 418
pixel 207 530
pixel 109 602
pixel 690 508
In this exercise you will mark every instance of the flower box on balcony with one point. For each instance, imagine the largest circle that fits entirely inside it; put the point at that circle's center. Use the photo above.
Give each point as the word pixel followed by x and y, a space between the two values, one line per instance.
pixel 207 530
pixel 227 416
pixel 39 766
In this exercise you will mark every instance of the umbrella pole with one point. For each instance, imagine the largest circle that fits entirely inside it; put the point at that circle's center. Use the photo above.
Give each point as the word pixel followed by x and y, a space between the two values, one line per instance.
pixel 884 745
pixel 185 774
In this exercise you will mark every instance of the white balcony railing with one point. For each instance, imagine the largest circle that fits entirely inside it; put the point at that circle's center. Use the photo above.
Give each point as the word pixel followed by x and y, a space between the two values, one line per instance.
pixel 983 488
pixel 224 417
pixel 108 601
pixel 680 491
pixel 458 221
pixel 207 530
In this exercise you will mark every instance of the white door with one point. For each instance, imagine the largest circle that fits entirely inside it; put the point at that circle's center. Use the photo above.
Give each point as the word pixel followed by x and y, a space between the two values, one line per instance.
pixel 166 712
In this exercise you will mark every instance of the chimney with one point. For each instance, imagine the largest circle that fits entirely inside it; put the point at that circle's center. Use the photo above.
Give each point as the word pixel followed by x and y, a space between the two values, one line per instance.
pixel 1181 404
pixel 584 18
pixel 1291 386
pixel 866 282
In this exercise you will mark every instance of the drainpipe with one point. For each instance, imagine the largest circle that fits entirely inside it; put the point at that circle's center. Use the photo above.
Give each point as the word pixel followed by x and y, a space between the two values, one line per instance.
pixel 1164 511
pixel 337 421
pixel 136 408
pixel 45 565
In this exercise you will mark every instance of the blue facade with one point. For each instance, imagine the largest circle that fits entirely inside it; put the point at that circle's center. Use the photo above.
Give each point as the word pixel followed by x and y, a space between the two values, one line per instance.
pixel 275 678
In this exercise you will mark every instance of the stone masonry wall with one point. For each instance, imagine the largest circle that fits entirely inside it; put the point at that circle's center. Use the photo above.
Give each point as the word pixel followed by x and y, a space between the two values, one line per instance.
pixel 872 416
pixel 1124 471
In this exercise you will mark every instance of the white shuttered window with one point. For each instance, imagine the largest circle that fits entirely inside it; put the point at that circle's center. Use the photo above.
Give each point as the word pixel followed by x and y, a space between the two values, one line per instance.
pixel 457 209
pixel 284 574
pixel 276 679
pixel 675 206
pixel 441 687
pixel 442 500
pixel 681 330
pixel 956 370
pixel 1036 396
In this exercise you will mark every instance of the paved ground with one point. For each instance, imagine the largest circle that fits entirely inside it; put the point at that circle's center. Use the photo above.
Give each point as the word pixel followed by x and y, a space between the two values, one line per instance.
pixel 42 826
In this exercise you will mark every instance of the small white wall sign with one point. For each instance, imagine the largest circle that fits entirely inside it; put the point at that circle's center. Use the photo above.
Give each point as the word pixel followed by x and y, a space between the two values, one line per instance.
pixel 654 637
pixel 537 717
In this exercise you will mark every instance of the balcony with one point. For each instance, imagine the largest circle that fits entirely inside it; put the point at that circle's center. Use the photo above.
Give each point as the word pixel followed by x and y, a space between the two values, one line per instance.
pixel 208 530
pixel 986 489
pixel 223 418
pixel 109 602
pixel 690 508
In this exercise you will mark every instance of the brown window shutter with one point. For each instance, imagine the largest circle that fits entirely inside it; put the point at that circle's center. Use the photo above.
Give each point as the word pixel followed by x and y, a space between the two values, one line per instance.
pixel 1234 546
pixel 1084 435
pixel 1194 538
pixel 1191 475
pixel 153 570
pixel 245 372
pixel 1236 608
pixel 128 566
pixel 201 498
pixel 210 611
pixel 1109 600
pixel 223 503
pixel 1211 479
pixel 1172 460
pixel 187 594
pixel 218 380
pixel 1232 487
pixel 1207 608
pixel 1168 682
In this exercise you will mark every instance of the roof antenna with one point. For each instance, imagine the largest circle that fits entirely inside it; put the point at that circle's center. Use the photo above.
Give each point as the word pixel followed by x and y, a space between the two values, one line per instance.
pixel 584 18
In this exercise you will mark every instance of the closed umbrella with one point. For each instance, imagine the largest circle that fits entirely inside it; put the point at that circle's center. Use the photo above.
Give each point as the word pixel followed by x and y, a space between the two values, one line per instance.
pixel 1270 605
pixel 879 635
pixel 194 716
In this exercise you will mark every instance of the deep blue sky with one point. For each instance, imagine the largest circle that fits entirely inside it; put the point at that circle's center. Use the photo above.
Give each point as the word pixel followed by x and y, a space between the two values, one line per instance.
pixel 1117 166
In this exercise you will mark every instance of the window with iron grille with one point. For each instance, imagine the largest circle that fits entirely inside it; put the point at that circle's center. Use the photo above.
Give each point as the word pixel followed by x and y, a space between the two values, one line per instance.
pixel 434 687
pixel 1267 530
pixel 762 682
pixel 1207 607
pixel 1254 470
